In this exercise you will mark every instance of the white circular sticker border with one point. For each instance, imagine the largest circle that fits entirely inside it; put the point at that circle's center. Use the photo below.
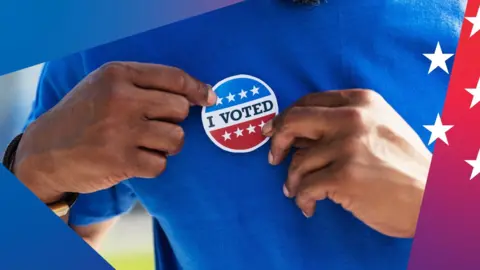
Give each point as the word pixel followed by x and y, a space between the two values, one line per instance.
pixel 205 123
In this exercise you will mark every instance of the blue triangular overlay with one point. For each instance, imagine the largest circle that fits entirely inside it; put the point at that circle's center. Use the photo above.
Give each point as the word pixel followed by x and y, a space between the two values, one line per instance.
pixel 35 31
pixel 33 237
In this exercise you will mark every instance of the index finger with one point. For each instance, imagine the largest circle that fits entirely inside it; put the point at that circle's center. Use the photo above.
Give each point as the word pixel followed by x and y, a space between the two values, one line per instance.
pixel 173 80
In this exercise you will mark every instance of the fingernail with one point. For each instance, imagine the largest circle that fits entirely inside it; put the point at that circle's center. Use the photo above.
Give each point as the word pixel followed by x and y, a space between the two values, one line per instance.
pixel 285 191
pixel 307 216
pixel 267 128
pixel 212 97
pixel 270 158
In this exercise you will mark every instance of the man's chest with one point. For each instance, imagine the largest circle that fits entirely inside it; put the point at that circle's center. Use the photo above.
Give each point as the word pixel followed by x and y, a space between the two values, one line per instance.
pixel 297 50
pixel 294 51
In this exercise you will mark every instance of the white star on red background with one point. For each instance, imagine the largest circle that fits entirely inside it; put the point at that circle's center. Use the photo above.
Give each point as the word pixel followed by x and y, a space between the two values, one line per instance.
pixel 438 130
pixel 239 132
pixel 438 59
pixel 476 166
pixel 226 136
pixel 475 22
pixel 475 92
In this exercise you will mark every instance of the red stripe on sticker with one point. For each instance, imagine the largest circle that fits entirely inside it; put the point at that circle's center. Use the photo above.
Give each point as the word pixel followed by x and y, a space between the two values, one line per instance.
pixel 242 136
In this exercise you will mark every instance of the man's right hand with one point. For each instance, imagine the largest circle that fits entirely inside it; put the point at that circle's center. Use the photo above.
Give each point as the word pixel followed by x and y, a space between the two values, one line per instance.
pixel 119 122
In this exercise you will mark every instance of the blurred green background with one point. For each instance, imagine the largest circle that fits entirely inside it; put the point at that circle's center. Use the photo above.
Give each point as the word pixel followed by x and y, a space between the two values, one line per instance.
pixel 131 262
pixel 129 244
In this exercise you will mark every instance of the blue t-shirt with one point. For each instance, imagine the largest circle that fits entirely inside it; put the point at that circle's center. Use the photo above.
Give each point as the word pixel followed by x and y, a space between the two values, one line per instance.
pixel 217 210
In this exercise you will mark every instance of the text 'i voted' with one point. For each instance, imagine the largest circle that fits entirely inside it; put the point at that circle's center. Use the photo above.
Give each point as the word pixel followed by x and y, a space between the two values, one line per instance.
pixel 244 105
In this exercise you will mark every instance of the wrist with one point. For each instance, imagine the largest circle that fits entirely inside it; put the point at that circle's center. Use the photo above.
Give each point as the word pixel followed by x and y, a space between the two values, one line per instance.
pixel 27 172
pixel 37 184
pixel 59 202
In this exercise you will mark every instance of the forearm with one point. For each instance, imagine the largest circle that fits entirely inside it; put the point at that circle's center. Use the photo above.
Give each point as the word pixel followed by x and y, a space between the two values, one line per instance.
pixel 95 233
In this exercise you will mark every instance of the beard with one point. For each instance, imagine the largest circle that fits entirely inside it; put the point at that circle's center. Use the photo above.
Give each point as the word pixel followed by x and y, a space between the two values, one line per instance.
pixel 309 2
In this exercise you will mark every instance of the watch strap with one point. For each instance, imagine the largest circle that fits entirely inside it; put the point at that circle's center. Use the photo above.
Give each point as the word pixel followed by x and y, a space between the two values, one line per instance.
pixel 63 206
pixel 10 153
pixel 60 207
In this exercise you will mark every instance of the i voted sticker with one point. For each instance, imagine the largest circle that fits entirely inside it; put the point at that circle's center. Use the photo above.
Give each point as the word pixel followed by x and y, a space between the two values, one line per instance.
pixel 244 105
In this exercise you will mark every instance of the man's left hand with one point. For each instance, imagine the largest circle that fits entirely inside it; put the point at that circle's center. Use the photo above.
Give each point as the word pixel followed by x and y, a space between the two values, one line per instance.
pixel 353 148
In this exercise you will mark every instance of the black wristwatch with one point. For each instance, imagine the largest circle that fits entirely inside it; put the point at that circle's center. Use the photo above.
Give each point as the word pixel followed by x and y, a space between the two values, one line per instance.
pixel 9 156
pixel 60 207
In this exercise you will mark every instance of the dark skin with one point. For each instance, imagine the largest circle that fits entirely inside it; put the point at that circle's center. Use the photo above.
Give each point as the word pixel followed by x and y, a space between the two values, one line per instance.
pixel 352 147
pixel 75 147
pixel 120 122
